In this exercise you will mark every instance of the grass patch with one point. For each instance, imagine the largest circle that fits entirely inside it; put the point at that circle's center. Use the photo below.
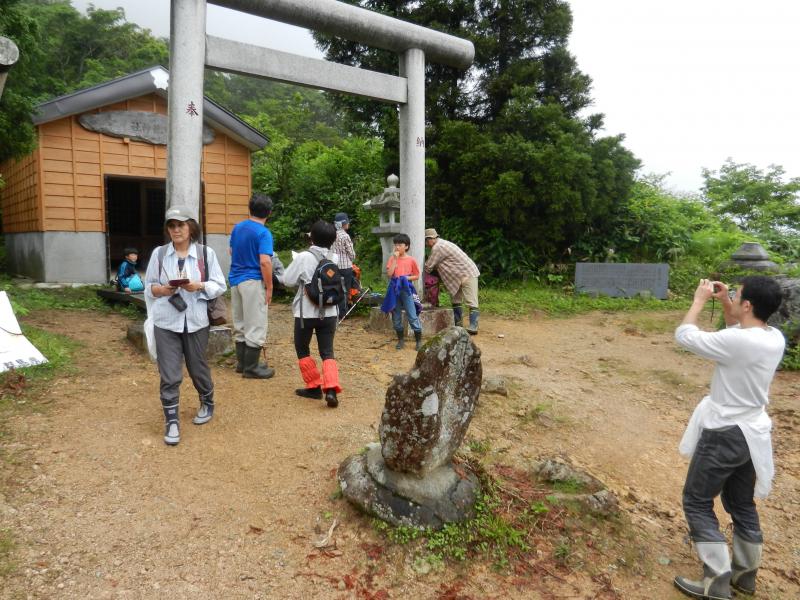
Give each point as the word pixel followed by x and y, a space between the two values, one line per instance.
pixel 57 348
pixel 521 527
pixel 652 325
pixel 569 486
pixel 522 298
pixel 6 550
pixel 480 447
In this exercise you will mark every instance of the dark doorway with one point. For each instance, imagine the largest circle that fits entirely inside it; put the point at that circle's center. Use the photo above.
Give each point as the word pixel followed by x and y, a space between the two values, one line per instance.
pixel 135 217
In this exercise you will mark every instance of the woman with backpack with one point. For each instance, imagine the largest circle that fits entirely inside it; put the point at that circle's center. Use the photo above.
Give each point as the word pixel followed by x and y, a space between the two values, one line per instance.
pixel 316 312
pixel 178 286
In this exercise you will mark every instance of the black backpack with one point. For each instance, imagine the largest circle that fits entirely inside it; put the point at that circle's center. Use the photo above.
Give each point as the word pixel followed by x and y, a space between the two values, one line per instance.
pixel 326 287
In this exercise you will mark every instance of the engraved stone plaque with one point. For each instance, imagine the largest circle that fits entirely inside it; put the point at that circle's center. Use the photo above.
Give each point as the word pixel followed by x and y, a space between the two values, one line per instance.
pixel 622 280
pixel 137 125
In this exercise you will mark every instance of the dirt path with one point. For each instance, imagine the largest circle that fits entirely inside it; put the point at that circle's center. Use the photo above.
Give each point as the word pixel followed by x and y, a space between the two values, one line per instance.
pixel 101 508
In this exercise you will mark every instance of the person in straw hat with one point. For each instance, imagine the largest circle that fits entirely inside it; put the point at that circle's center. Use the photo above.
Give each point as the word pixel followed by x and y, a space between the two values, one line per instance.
pixel 458 273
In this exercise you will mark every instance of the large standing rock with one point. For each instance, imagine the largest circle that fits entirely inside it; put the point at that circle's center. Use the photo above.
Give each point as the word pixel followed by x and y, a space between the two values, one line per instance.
pixel 787 317
pixel 409 479
pixel 428 410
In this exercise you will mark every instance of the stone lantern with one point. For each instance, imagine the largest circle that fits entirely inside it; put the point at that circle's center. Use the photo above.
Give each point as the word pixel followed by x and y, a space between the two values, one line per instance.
pixel 387 206
pixel 9 54
pixel 751 256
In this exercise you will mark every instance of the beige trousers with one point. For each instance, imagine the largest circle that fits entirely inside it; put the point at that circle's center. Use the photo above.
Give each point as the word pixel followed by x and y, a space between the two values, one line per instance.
pixel 467 293
pixel 249 309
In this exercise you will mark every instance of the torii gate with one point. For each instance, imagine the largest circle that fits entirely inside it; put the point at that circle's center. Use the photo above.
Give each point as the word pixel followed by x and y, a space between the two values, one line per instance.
pixel 191 50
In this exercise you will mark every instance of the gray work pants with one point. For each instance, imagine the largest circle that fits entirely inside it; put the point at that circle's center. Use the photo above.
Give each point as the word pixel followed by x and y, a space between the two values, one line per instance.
pixel 721 464
pixel 175 348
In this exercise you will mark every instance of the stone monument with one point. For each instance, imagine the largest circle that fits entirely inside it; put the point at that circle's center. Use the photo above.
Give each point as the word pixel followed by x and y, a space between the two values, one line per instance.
pixel 409 478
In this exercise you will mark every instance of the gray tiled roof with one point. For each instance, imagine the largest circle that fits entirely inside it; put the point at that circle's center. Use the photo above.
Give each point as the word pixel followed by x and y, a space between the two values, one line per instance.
pixel 151 80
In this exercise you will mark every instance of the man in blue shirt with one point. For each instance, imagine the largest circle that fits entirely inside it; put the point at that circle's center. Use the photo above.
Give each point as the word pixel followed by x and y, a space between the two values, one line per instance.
pixel 251 287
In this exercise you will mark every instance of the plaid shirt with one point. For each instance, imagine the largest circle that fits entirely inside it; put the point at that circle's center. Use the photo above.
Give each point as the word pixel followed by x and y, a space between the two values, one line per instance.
pixel 343 246
pixel 452 264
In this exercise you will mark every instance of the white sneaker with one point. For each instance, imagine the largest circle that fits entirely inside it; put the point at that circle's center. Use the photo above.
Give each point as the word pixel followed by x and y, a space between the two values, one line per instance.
pixel 204 414
pixel 172 435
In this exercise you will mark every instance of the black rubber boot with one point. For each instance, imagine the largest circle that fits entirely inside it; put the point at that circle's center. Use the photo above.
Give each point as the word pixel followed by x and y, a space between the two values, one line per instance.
pixel 472 328
pixel 252 368
pixel 240 346
pixel 458 315
pixel 330 398
pixel 314 393
pixel 401 342
pixel 418 338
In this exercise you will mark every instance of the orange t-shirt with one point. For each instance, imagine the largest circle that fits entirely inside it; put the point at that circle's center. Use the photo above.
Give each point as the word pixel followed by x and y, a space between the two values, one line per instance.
pixel 406 265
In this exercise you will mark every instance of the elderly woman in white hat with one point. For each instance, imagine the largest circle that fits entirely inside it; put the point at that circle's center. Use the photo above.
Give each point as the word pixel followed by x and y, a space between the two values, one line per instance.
pixel 181 278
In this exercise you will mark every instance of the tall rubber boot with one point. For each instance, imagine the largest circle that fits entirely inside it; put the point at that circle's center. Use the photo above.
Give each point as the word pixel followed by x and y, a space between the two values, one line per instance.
pixel 172 434
pixel 472 328
pixel 401 342
pixel 240 346
pixel 458 315
pixel 746 560
pixel 418 339
pixel 311 377
pixel 716 581
pixel 206 410
pixel 330 382
pixel 252 368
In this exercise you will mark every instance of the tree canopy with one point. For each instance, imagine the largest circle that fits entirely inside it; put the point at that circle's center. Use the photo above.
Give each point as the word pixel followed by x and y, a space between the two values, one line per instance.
pixel 62 50
pixel 506 147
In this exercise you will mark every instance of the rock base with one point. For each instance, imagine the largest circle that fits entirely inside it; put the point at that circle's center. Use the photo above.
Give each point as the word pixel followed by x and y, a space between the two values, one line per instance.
pixel 220 339
pixel 442 496
pixel 433 320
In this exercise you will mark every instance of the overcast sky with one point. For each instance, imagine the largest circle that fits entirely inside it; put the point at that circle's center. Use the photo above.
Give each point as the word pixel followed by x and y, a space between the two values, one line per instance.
pixel 689 82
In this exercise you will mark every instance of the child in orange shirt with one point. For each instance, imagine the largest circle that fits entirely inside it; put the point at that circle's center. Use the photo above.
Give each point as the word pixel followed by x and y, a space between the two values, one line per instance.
pixel 402 270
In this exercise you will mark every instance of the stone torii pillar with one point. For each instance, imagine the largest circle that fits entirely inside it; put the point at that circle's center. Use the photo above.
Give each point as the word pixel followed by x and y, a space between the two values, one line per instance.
pixel 412 153
pixel 187 48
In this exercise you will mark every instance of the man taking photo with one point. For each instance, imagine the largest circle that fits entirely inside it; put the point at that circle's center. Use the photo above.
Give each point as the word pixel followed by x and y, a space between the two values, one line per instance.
pixel 728 436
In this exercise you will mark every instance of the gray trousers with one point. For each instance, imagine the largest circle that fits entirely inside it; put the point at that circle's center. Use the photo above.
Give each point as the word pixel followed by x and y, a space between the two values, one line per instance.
pixel 173 348
pixel 721 465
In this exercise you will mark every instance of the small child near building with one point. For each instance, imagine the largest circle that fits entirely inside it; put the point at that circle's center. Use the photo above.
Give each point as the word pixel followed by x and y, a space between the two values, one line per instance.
pixel 403 270
pixel 128 279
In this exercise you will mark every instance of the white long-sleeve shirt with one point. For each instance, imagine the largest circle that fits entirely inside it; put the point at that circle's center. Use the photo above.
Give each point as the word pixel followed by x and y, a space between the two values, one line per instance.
pixel 300 272
pixel 746 360
pixel 195 317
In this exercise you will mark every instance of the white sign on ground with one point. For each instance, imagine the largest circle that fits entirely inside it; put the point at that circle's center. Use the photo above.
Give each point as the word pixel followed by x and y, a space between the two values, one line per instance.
pixel 15 349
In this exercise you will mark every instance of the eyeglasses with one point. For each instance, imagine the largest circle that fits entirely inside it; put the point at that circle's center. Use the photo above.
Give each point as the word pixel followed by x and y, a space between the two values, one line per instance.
pixel 732 293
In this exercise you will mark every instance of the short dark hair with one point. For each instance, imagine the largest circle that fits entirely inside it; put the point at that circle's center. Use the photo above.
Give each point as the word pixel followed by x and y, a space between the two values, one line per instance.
pixel 764 294
pixel 323 234
pixel 260 205
pixel 129 250
pixel 402 238
pixel 194 230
